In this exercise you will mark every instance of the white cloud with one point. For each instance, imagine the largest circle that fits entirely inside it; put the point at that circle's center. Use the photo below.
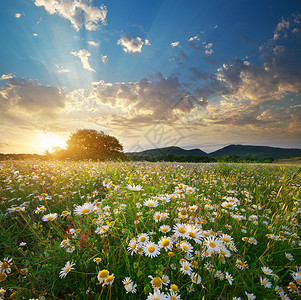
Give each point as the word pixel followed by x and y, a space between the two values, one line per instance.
pixel 208 52
pixel 94 44
pixel 194 38
pixel 8 76
pixel 79 13
pixel 130 44
pixel 147 43
pixel 35 34
pixel 84 54
pixel 104 59
pixel 175 44
pixel 283 25
pixel 18 15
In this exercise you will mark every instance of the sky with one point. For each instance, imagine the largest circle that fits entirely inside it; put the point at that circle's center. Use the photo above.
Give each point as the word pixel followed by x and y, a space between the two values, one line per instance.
pixel 195 74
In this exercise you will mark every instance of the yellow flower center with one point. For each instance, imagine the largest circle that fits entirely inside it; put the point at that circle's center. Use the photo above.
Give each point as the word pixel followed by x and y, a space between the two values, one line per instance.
pixel 185 248
pixel 194 278
pixel 195 263
pixel 239 262
pixel 2 276
pixel 165 243
pixel 226 240
pixel 133 246
pixel 4 266
pixel 67 269
pixel 183 212
pixel 156 299
pixel 211 244
pixel 174 287
pixel 223 252
pixel 164 280
pixel 64 212
pixel 18 208
pixel 164 229
pixel 110 278
pixel 150 204
pixel 103 273
pixel 151 249
pixel 173 298
pixel 142 239
pixel 298 280
pixel 206 234
pixel 170 254
pixel 127 283
pixel 192 234
pixel 158 217
pixel 186 268
pixel 182 230
pixel 157 282
pixel 228 205
pixel 85 210
pixel 49 218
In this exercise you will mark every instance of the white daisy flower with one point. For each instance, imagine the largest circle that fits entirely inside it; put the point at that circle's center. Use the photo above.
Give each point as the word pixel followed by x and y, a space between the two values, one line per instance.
pixel 66 269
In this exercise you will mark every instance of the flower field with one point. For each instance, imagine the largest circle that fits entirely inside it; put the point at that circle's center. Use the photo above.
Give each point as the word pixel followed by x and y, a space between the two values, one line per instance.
pixel 124 230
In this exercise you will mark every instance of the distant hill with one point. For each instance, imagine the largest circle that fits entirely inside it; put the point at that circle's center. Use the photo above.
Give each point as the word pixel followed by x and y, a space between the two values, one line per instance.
pixel 241 150
pixel 259 151
pixel 169 150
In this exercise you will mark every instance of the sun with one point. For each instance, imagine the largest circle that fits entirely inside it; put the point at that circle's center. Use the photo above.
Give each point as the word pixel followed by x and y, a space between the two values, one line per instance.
pixel 49 141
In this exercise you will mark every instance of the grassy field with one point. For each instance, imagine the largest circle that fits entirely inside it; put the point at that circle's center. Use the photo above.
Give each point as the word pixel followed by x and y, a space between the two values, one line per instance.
pixel 85 230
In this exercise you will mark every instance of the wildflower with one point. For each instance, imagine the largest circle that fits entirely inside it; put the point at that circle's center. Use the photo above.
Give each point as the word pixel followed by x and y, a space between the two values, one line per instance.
pixel 186 247
pixel 196 278
pixel 297 276
pixel 129 285
pixel 194 233
pixel 132 247
pixel 65 213
pixel 150 203
pixel 109 280
pixel 166 243
pixel 250 296
pixel 284 296
pixel 70 249
pixel 39 209
pixel 165 280
pixel 218 274
pixel 186 268
pixel 97 260
pixel 174 288
pixel 164 228
pixel 265 282
pixel 66 269
pixel 2 276
pixel 5 265
pixel 156 282
pixel 213 244
pixel 49 217
pixel 157 216
pixel 173 296
pixel 65 243
pixel 102 275
pixel 84 209
pixel 135 188
pixel 293 288
pixel 229 277
pixel 289 256
pixel 179 230
pixel 151 249
pixel 16 208
pixel 22 244
pixel 241 265
pixel 267 271
pixel 157 295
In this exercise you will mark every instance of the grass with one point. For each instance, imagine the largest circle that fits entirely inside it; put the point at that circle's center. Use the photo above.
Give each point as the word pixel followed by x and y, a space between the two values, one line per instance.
pixel 235 219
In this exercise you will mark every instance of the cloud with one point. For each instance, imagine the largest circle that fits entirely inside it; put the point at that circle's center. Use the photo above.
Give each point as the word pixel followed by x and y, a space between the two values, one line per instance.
pixel 18 15
pixel 8 76
pixel 130 44
pixel 94 44
pixel 35 34
pixel 147 43
pixel 175 44
pixel 104 59
pixel 79 13
pixel 84 54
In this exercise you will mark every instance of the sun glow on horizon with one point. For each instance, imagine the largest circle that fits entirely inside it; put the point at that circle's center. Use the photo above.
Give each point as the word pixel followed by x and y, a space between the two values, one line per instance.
pixel 49 141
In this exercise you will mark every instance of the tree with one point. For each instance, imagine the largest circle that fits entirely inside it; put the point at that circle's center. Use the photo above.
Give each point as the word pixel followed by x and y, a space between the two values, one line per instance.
pixel 93 144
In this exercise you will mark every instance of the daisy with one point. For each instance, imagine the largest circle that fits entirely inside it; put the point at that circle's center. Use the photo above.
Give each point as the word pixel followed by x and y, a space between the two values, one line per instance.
pixel 166 243
pixel 165 280
pixel 65 270
pixel 157 295
pixel 151 249
pixel 173 296
pixel 132 247
pixel 134 188
pixel 49 217
pixel 196 278
pixel 156 282
pixel 297 276
pixel 39 209
pixel 109 280
pixel 186 247
pixel 241 265
pixel 143 238
pixel 194 233
pixel 157 216
pixel 102 275
pixel 289 256
pixel 16 208
pixel 179 230
pixel 70 249
pixel 65 243
pixel 213 244
pixel 250 296
pixel 229 277
pixel 267 271
pixel 97 260
pixel 5 265
pixel 150 203
pixel 84 209
pixel 174 288
pixel 265 282
pixel 218 274
pixel 186 268
pixel 164 228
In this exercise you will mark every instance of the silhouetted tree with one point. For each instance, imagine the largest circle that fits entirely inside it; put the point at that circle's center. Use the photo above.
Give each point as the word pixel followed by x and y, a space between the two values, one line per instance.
pixel 93 144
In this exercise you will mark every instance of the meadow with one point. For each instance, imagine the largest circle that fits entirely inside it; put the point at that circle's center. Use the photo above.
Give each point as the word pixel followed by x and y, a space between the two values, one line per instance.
pixel 139 230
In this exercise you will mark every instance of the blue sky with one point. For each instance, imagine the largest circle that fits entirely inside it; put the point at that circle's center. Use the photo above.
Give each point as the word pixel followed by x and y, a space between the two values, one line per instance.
pixel 196 74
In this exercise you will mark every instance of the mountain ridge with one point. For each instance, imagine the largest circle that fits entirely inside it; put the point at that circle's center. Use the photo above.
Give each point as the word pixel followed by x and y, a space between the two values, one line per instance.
pixel 232 149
